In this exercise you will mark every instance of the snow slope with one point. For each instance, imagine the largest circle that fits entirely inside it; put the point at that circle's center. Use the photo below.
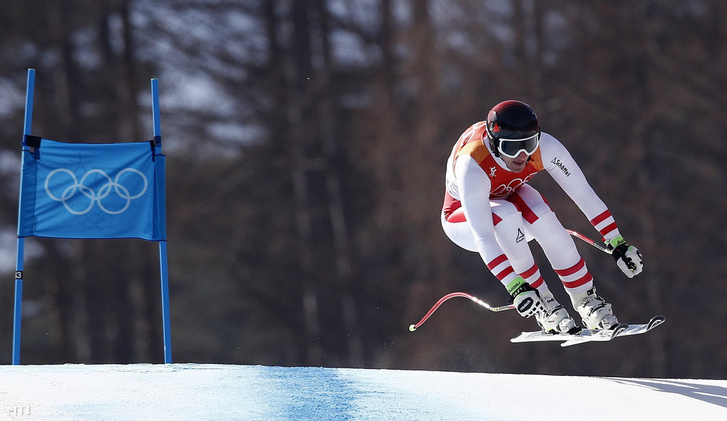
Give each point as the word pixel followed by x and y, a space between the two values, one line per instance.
pixel 227 392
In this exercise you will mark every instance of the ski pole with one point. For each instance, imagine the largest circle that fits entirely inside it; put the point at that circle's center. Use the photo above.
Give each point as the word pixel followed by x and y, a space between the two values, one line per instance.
pixel 595 244
pixel 458 294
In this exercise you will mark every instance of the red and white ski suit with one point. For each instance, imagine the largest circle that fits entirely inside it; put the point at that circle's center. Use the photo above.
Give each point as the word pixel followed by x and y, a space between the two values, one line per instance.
pixel 492 210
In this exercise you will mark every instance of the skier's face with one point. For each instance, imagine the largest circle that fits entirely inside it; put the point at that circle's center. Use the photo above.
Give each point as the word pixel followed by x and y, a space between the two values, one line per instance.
pixel 518 163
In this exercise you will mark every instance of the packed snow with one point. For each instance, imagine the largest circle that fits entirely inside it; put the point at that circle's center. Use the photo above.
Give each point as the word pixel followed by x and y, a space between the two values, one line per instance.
pixel 232 392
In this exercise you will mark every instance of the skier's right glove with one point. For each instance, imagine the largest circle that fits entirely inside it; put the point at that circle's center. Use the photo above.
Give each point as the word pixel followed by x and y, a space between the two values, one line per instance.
pixel 628 258
pixel 525 298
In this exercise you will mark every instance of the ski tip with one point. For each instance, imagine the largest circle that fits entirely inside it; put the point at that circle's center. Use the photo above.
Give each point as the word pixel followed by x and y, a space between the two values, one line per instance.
pixel 655 321
pixel 412 328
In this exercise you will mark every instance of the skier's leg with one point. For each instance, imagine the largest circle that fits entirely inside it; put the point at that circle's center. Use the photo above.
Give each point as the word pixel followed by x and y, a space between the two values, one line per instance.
pixel 511 235
pixel 561 251
pixel 458 231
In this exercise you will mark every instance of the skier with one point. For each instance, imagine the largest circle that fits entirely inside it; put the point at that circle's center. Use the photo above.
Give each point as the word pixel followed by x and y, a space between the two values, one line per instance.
pixel 489 208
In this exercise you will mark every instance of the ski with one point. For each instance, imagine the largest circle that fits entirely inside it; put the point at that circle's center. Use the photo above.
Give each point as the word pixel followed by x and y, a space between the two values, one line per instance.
pixel 583 336
pixel 596 335
pixel 622 329
pixel 637 329
pixel 586 335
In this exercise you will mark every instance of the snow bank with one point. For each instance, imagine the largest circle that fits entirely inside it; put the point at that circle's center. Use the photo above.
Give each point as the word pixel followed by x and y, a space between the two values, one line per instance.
pixel 225 392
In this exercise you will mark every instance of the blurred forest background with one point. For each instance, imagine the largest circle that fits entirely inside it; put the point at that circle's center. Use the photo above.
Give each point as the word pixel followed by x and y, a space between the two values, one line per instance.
pixel 306 143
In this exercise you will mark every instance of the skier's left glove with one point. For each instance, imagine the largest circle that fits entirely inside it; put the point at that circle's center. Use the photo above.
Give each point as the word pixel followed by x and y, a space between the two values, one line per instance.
pixel 628 258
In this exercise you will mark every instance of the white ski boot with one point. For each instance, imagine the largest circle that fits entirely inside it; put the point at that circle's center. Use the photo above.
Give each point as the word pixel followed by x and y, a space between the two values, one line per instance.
pixel 595 311
pixel 555 319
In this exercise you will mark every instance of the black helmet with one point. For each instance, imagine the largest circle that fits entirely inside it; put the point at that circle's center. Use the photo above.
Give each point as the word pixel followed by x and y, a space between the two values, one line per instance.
pixel 513 120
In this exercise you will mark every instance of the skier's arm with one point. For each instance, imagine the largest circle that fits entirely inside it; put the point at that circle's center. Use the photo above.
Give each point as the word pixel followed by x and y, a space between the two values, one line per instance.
pixel 559 163
pixel 474 192
pixel 565 171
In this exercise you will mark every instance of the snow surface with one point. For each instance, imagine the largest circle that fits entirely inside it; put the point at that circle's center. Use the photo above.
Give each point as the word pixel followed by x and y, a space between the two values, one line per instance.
pixel 230 392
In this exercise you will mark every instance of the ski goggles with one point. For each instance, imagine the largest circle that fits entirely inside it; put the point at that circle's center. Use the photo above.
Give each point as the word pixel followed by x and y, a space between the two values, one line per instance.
pixel 511 148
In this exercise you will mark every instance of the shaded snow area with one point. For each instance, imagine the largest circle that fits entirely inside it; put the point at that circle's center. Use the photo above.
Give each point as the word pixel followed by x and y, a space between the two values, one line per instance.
pixel 228 392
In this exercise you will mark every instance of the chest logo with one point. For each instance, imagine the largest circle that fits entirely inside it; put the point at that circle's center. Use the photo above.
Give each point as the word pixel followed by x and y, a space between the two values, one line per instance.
pixel 504 190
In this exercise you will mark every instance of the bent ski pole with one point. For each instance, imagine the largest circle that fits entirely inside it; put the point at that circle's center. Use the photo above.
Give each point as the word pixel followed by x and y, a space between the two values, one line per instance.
pixel 458 294
pixel 595 244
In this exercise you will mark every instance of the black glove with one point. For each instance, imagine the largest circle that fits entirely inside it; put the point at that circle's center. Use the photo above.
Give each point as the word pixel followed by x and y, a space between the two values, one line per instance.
pixel 628 258
pixel 525 298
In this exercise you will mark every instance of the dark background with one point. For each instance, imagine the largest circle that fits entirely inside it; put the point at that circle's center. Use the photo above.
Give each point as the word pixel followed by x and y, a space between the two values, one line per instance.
pixel 306 144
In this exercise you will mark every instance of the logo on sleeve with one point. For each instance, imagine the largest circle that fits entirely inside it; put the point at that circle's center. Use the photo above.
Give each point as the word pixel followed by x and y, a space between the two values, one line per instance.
pixel 562 166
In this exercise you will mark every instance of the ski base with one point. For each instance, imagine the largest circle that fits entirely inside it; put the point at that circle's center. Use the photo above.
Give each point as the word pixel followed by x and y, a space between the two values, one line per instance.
pixel 586 335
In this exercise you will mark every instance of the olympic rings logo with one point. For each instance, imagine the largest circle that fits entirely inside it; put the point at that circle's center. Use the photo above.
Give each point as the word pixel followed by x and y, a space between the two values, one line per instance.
pixel 80 187
pixel 504 190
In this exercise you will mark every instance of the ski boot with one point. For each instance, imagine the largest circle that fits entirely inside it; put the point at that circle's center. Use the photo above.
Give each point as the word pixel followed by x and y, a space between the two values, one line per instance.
pixel 595 311
pixel 554 318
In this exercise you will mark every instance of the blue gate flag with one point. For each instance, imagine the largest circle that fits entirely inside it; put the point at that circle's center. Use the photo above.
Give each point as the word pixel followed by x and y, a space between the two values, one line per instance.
pixel 83 190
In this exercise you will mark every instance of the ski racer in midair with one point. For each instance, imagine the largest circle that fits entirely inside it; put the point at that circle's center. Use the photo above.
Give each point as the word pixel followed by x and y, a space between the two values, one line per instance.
pixel 489 208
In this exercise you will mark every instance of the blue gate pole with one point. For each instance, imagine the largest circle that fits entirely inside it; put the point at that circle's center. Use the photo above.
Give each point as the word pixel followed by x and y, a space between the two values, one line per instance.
pixel 167 328
pixel 18 311
pixel 166 319
pixel 20 250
